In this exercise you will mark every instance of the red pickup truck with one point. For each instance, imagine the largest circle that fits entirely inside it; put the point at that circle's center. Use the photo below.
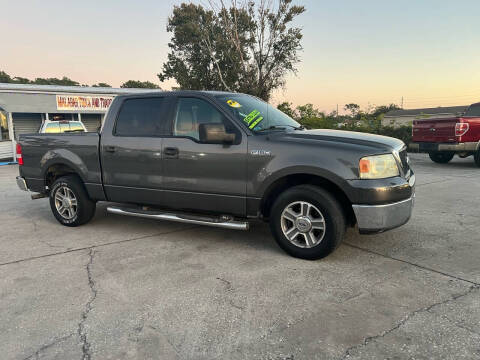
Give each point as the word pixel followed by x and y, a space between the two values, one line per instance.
pixel 442 138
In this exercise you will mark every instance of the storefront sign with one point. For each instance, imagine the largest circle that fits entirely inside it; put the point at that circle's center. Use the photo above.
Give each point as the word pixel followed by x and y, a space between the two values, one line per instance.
pixel 74 102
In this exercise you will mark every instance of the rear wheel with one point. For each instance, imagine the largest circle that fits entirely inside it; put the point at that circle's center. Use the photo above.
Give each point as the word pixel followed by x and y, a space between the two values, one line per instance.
pixel 476 157
pixel 69 201
pixel 307 222
pixel 441 157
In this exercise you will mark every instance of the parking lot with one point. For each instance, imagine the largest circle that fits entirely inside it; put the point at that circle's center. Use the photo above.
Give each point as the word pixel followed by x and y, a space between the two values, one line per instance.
pixel 130 288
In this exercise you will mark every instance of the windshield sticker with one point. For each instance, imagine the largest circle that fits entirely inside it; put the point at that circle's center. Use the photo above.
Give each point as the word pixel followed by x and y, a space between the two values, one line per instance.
pixel 250 117
pixel 255 123
pixel 233 104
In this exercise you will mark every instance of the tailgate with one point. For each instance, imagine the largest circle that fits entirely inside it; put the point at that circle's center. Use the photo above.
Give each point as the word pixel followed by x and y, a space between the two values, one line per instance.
pixel 434 130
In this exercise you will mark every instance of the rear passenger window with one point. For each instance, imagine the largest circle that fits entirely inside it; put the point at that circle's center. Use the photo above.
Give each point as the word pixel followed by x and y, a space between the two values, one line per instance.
pixel 141 117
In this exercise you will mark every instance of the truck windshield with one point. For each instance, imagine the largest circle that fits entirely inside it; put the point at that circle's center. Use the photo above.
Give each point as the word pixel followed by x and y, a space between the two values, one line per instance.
pixel 256 114
pixel 473 110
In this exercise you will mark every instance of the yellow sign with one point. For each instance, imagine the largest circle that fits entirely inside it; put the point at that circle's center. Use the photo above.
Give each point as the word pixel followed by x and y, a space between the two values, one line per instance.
pixel 83 102
pixel 233 103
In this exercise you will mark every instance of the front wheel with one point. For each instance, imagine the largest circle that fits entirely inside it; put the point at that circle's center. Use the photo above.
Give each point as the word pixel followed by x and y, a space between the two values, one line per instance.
pixel 307 222
pixel 441 157
pixel 69 201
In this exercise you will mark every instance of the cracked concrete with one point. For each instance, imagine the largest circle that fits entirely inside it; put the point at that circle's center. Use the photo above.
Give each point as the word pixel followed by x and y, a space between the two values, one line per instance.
pixel 82 331
pixel 45 347
pixel 127 288
pixel 367 340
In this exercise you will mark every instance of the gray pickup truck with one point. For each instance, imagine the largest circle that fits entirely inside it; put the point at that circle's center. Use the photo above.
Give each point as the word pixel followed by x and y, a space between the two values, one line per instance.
pixel 223 159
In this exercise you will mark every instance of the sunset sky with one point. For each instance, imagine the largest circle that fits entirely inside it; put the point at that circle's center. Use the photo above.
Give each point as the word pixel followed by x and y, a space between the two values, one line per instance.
pixel 368 52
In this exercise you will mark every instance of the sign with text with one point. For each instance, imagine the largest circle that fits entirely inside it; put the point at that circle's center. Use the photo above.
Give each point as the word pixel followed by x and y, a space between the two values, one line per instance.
pixel 83 102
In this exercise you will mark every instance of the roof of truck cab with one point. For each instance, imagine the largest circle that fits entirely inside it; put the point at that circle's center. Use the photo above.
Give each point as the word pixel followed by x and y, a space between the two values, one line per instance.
pixel 180 92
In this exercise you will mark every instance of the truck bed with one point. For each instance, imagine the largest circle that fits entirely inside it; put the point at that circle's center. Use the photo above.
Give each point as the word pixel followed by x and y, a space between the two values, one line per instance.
pixel 79 150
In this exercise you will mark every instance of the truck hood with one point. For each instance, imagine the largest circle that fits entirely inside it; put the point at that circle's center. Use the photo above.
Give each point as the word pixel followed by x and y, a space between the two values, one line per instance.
pixel 350 137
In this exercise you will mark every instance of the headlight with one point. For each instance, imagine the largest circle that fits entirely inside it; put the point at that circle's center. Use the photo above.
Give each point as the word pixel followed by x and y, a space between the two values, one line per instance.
pixel 378 167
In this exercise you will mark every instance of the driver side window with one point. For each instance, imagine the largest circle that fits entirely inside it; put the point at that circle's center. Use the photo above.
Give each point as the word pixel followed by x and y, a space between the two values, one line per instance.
pixel 191 112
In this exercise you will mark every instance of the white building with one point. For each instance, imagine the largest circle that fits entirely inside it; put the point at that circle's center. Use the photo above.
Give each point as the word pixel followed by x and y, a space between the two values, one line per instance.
pixel 398 118
pixel 23 108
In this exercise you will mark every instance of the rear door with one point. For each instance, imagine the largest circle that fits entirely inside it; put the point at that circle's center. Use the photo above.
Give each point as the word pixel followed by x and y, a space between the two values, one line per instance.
pixel 199 176
pixel 131 151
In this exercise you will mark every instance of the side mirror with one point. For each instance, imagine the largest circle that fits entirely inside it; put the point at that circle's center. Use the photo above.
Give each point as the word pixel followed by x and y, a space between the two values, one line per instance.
pixel 215 134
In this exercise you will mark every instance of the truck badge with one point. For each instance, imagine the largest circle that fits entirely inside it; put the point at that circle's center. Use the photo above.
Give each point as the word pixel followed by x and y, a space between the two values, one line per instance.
pixel 260 152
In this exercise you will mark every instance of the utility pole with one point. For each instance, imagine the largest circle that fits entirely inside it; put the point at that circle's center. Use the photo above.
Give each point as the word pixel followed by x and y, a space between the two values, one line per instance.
pixel 337 110
pixel 402 103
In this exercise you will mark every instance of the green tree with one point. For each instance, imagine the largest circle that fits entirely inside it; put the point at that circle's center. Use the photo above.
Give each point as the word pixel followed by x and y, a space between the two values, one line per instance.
pixel 307 111
pixel 352 108
pixel 383 109
pixel 101 84
pixel 5 78
pixel 243 48
pixel 287 109
pixel 139 84
pixel 21 80
pixel 65 81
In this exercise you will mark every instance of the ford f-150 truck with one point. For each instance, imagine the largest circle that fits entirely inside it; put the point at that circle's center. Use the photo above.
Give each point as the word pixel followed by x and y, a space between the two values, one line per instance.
pixel 442 138
pixel 222 159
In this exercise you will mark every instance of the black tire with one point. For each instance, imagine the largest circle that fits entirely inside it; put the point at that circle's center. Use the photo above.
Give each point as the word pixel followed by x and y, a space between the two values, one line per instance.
pixel 476 157
pixel 334 221
pixel 441 157
pixel 85 207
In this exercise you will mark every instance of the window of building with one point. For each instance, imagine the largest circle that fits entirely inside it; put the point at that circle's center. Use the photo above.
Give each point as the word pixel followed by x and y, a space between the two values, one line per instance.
pixel 4 134
pixel 141 117
pixel 191 112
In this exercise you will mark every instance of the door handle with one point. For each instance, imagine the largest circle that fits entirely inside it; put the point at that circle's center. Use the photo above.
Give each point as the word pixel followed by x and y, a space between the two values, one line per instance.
pixel 110 149
pixel 171 152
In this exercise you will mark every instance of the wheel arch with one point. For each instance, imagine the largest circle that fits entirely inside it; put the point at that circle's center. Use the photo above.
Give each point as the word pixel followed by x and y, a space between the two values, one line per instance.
pixel 283 183
pixel 61 162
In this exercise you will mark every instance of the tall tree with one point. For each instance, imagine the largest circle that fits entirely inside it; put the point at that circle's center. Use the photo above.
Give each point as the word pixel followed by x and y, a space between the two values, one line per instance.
pixel 245 48
pixel 139 84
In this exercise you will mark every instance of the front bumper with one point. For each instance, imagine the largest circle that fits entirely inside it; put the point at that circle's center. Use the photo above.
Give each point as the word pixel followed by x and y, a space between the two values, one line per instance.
pixel 430 147
pixel 379 218
pixel 21 183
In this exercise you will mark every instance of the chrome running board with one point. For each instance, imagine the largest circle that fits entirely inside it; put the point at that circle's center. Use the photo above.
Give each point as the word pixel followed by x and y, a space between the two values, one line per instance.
pixel 222 221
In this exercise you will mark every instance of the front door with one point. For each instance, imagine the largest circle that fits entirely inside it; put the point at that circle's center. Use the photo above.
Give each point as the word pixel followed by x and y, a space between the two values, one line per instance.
pixel 198 176
pixel 132 152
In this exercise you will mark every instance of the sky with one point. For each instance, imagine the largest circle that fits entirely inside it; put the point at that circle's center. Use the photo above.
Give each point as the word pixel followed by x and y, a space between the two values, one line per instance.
pixel 369 52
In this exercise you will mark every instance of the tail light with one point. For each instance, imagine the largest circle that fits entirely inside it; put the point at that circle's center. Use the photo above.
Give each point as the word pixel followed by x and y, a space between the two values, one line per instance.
pixel 461 128
pixel 19 154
